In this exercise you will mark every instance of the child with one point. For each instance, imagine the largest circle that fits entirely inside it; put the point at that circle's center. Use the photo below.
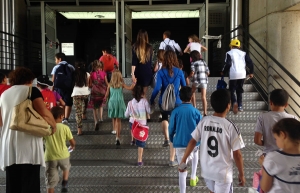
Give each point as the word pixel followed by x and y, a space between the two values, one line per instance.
pixel 80 94
pixel 199 74
pixel 57 154
pixel 3 84
pixel 160 59
pixel 43 83
pixel 98 83
pixel 183 120
pixel 281 172
pixel 116 104
pixel 265 121
pixel 194 44
pixel 59 101
pixel 221 139
pixel 137 109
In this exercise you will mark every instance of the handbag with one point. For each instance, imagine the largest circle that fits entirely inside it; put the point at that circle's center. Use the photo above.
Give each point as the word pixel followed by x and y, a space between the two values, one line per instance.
pixel 221 84
pixel 25 119
pixel 139 132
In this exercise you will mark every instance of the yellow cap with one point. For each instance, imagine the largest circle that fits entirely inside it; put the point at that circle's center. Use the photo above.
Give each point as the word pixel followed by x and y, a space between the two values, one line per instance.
pixel 235 43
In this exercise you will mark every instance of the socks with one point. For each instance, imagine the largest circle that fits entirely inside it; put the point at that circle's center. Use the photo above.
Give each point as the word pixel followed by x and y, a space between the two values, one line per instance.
pixel 194 164
pixel 64 183
pixel 182 181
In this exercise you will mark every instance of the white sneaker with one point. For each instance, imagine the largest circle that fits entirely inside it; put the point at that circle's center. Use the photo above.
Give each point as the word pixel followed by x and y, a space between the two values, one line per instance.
pixel 114 132
pixel 65 121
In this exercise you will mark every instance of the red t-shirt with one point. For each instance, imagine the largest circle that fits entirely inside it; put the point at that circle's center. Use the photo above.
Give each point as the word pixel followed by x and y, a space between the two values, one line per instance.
pixel 49 98
pixel 108 61
pixel 3 87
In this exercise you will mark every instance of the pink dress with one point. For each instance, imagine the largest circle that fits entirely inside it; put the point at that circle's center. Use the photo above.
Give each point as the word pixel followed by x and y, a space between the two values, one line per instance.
pixel 98 89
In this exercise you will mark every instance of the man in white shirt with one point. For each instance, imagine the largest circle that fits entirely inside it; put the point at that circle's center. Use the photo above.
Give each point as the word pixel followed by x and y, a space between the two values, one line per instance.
pixel 221 143
pixel 167 41
pixel 236 62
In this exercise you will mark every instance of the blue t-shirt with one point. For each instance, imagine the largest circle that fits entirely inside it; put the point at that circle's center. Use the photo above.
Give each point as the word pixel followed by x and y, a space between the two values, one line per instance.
pixel 163 80
pixel 183 122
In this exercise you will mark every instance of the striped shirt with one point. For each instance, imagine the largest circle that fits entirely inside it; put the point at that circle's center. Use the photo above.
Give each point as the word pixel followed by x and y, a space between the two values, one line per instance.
pixel 138 111
pixel 200 70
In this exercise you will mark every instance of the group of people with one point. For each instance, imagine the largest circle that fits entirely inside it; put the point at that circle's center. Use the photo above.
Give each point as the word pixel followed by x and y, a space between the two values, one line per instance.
pixel 221 140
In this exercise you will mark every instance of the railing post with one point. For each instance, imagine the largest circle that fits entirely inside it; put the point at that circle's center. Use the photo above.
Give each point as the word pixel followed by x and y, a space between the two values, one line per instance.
pixel 43 31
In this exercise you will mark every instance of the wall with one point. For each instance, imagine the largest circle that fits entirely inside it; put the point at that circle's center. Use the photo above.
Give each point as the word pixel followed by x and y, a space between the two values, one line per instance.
pixel 275 24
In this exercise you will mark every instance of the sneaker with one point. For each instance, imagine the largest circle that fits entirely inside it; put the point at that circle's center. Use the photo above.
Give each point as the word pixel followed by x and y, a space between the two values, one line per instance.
pixel 113 132
pixel 166 143
pixel 64 186
pixel 118 142
pixel 160 118
pixel 140 163
pixel 235 108
pixel 100 120
pixel 240 109
pixel 194 182
pixel 65 121
pixel 132 143
pixel 173 163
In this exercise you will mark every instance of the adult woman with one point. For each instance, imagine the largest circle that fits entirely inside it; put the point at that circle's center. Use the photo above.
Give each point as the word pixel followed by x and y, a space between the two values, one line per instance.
pixel 21 154
pixel 169 73
pixel 142 61
pixel 80 94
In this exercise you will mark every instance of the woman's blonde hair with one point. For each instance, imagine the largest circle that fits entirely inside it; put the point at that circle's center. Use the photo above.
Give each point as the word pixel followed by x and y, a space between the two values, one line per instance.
pixel 160 55
pixel 116 79
pixel 142 47
pixel 194 38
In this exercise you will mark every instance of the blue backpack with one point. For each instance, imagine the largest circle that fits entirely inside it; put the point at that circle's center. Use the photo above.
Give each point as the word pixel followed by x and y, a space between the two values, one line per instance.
pixel 64 77
pixel 221 83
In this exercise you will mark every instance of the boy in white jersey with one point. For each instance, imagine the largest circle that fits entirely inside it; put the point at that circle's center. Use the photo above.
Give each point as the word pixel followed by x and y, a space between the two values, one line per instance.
pixel 219 137
pixel 265 122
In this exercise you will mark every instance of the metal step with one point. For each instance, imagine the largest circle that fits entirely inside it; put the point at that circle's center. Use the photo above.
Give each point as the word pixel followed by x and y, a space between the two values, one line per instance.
pixel 129 185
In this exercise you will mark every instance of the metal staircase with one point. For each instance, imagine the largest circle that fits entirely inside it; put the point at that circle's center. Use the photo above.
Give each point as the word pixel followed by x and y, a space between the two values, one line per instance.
pixel 99 166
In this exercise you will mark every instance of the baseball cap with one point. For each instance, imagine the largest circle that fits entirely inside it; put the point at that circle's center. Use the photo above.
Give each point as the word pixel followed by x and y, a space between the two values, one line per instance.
pixel 44 80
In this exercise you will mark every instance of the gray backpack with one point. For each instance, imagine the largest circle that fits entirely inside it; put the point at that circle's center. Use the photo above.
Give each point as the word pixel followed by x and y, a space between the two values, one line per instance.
pixel 169 97
pixel 169 47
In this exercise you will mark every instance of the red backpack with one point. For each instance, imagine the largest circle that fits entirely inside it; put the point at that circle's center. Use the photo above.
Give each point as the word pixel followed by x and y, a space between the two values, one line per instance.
pixel 49 98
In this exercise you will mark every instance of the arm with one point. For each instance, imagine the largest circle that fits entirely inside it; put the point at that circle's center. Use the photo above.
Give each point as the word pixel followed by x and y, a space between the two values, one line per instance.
pixel 127 112
pixel 134 62
pixel 227 63
pixel 39 106
pixel 61 102
pixel 128 87
pixel 90 83
pixel 187 49
pixel 72 143
pixel 172 126
pixel 148 108
pixel 249 64
pixel 258 139
pixel 203 48
pixel 266 181
pixel 107 93
pixel 177 47
pixel 238 158
pixel 155 67
pixel 106 82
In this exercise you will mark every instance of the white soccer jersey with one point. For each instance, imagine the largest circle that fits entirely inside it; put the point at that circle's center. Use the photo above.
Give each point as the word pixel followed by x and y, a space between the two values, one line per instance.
pixel 285 168
pixel 219 137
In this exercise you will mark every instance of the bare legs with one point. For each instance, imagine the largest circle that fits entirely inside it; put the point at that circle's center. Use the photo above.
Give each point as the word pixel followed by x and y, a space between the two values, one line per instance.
pixel 165 125
pixel 203 99
pixel 140 154
pixel 117 127
pixel 172 152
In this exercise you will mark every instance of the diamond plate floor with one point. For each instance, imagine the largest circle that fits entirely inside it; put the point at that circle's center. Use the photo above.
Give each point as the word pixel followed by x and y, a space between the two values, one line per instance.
pixel 99 166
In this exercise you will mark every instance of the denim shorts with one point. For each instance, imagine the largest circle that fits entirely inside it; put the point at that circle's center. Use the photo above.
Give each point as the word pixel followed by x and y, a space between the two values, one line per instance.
pixel 138 143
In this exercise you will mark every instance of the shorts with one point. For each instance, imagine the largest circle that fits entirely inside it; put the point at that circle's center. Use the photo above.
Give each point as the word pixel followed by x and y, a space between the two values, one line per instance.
pixel 66 96
pixel 165 114
pixel 200 85
pixel 51 171
pixel 218 187
pixel 180 153
pixel 138 143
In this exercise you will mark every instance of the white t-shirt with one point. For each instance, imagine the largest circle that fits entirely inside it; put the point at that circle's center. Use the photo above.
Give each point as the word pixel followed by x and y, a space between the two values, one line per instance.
pixel 264 125
pixel 238 64
pixel 195 46
pixel 285 168
pixel 17 147
pixel 138 110
pixel 79 91
pixel 170 42
pixel 219 137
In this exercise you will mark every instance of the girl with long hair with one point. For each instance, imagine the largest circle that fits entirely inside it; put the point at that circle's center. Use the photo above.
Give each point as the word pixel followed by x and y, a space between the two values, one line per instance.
pixel 80 93
pixel 116 104
pixel 194 44
pixel 98 84
pixel 169 73
pixel 142 60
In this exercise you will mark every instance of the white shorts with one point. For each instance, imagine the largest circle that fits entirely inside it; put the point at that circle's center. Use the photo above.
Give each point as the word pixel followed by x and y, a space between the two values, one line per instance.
pixel 218 187
pixel 200 85
pixel 180 153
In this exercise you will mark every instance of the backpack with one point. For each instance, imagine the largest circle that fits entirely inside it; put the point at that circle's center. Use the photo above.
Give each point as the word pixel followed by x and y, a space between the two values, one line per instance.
pixel 49 98
pixel 64 77
pixel 221 83
pixel 168 47
pixel 169 97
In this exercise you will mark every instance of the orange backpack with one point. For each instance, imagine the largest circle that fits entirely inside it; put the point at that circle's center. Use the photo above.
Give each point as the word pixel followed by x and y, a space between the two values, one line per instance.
pixel 49 98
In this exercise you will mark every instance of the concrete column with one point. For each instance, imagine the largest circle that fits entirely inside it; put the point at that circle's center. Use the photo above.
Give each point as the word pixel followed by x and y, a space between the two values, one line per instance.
pixel 123 38
pixel 235 17
pixel 43 31
pixel 117 30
